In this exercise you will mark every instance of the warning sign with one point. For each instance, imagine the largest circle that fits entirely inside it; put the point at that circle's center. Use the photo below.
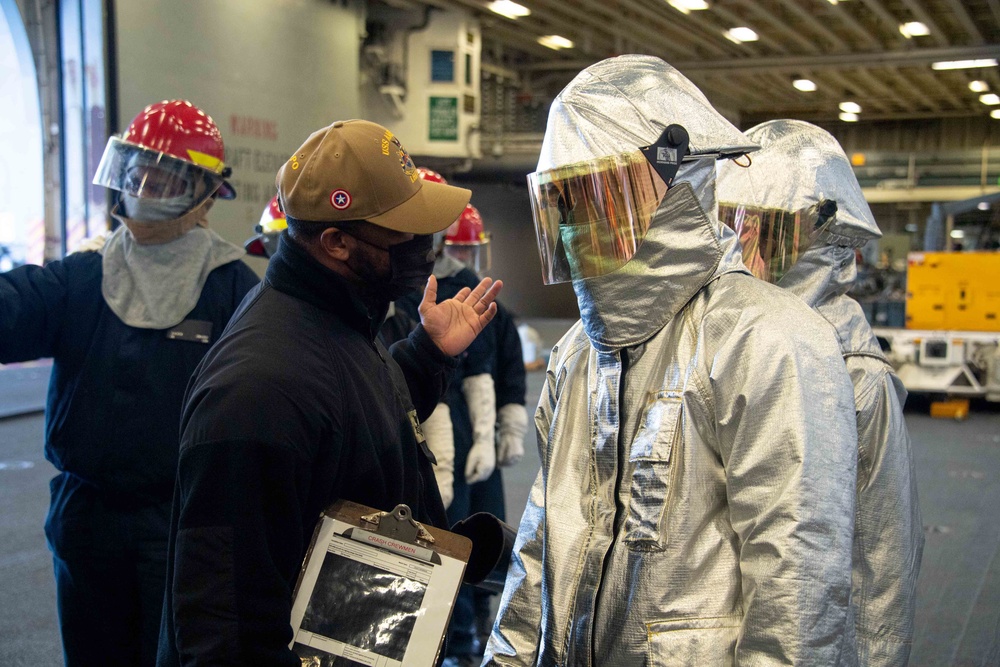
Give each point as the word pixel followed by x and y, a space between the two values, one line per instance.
pixel 444 119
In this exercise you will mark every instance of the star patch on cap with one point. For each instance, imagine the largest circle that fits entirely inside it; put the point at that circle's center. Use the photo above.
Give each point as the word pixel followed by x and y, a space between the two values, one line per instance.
pixel 340 199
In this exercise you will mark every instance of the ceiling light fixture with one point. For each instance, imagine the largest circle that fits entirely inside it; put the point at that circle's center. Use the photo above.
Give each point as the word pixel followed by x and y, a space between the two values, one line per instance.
pixel 964 64
pixel 686 6
pixel 805 85
pixel 914 29
pixel 850 107
pixel 508 8
pixel 990 99
pixel 555 42
pixel 958 233
pixel 979 86
pixel 995 114
pixel 848 117
pixel 740 35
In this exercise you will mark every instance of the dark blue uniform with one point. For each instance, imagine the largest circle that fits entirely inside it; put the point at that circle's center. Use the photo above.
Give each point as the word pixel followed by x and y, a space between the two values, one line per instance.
pixel 111 428
pixel 473 609
pixel 479 358
pixel 497 351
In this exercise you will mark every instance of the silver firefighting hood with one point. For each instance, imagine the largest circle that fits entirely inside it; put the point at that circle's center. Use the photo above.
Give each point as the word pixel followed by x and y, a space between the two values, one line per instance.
pixel 598 115
pixel 821 172
pixel 798 167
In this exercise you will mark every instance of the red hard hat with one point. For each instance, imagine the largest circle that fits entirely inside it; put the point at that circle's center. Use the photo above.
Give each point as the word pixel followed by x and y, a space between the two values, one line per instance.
pixel 468 229
pixel 273 218
pixel 272 222
pixel 181 129
pixel 467 241
pixel 176 137
pixel 431 175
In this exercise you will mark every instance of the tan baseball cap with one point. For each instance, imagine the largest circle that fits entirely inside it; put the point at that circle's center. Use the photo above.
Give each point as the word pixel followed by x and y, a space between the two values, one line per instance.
pixel 358 170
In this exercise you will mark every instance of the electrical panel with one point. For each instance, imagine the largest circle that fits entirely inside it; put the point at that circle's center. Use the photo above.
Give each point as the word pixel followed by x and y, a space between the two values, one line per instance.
pixel 423 81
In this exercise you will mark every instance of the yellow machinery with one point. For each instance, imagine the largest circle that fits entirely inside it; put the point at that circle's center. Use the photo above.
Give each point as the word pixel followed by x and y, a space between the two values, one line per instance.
pixel 956 408
pixel 954 291
pixel 951 343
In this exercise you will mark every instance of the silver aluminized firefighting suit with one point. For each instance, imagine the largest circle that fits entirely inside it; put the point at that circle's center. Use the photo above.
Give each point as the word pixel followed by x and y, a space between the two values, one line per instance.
pixel 695 502
pixel 798 166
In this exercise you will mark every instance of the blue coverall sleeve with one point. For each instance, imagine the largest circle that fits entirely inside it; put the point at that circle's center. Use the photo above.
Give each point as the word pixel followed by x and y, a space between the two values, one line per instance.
pixel 510 376
pixel 33 301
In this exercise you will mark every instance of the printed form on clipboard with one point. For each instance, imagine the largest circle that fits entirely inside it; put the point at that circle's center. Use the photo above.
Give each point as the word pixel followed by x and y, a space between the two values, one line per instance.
pixel 376 588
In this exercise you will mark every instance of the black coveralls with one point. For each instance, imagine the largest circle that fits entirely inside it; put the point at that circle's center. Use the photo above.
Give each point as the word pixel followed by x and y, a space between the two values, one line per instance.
pixel 298 405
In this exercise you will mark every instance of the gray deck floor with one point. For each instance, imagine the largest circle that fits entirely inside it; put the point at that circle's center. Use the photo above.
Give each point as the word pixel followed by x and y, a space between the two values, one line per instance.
pixel 958 467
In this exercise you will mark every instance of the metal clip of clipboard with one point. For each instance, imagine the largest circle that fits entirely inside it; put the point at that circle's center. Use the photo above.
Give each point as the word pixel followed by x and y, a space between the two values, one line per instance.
pixel 399 524
pixel 396 531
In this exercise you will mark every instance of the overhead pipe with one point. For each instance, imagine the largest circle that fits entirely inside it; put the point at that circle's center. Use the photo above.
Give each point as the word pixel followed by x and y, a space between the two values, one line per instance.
pixel 794 62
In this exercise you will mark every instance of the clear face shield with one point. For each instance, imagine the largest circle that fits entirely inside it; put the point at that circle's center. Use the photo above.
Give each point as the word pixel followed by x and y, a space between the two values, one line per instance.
pixel 591 217
pixel 142 173
pixel 773 239
pixel 476 256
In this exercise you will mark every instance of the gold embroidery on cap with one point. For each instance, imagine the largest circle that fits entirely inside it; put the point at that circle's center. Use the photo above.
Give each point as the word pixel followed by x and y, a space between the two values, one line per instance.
pixel 405 162
pixel 295 162
pixel 386 138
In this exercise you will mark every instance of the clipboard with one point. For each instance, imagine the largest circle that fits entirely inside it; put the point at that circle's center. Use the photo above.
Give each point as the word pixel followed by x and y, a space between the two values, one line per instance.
pixel 376 588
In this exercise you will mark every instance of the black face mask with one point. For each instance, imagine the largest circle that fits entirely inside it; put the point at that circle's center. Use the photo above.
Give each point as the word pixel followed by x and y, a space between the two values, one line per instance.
pixel 410 265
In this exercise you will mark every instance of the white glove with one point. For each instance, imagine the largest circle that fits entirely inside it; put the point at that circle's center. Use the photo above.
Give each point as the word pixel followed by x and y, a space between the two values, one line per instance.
pixel 441 441
pixel 481 399
pixel 512 425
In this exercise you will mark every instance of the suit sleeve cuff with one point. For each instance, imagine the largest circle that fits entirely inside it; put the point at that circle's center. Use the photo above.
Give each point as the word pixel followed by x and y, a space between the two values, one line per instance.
pixel 422 341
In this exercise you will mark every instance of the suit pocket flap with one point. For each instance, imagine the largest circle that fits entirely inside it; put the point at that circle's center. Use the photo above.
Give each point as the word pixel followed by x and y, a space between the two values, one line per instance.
pixel 693 641
pixel 655 438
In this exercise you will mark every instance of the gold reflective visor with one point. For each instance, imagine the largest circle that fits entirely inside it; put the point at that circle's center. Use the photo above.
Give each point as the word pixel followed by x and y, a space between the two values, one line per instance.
pixel 590 217
pixel 773 239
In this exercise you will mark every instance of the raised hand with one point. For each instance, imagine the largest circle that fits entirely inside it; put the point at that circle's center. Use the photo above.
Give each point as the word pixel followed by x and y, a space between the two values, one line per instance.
pixel 454 323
